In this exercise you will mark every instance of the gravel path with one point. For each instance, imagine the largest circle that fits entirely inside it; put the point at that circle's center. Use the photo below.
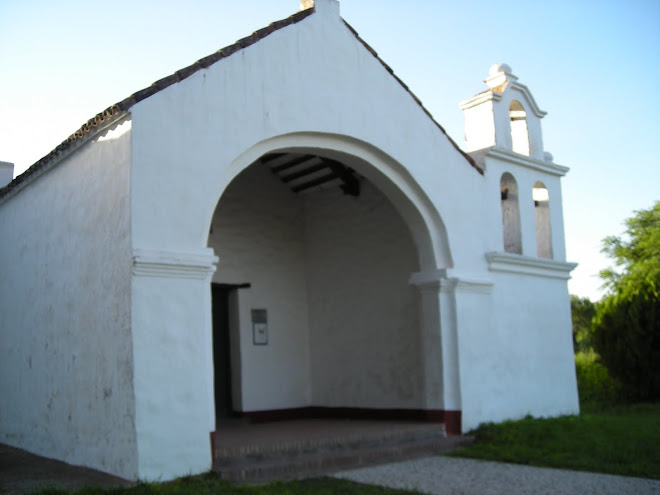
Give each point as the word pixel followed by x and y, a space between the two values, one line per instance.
pixel 453 476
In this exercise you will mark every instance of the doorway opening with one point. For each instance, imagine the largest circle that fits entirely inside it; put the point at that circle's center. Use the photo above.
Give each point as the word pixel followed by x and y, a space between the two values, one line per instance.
pixel 222 349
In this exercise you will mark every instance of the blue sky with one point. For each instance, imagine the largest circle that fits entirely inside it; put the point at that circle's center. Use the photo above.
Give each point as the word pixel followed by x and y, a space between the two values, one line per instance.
pixel 592 65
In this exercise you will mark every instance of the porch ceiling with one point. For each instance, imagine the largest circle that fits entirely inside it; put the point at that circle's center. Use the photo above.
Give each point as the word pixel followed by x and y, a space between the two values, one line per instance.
pixel 304 173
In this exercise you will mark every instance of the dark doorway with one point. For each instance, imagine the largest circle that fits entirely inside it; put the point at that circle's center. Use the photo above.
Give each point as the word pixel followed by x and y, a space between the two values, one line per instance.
pixel 222 348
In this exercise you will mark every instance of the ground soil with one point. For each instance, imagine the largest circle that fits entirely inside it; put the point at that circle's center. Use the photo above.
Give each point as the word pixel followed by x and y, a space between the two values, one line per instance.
pixel 22 472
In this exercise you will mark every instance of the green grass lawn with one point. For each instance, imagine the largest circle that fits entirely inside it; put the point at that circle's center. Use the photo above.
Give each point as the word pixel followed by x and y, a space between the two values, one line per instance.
pixel 622 440
pixel 209 484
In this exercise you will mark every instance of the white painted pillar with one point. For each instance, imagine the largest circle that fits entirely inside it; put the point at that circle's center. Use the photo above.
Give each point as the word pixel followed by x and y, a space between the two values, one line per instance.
pixel 438 342
pixel 172 362
pixel 450 307
pixel 470 307
pixel 449 322
pixel 431 344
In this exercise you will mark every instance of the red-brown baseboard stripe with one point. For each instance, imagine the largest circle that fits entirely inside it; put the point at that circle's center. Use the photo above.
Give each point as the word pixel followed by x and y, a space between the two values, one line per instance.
pixel 451 419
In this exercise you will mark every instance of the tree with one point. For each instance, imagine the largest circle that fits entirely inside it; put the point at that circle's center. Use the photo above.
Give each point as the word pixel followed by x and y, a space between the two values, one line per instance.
pixel 637 255
pixel 582 312
pixel 626 328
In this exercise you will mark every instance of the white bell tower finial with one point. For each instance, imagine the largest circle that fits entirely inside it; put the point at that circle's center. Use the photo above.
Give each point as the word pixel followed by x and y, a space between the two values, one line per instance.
pixel 321 6
pixel 504 116
pixel 499 76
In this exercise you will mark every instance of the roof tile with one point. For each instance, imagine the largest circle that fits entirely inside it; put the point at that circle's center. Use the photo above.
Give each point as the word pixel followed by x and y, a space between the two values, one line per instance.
pixel 186 71
pixel 144 93
pixel 167 81
pixel 207 61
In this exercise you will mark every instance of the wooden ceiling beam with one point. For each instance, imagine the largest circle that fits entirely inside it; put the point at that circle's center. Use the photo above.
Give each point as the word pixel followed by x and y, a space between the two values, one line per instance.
pixel 304 172
pixel 314 183
pixel 296 161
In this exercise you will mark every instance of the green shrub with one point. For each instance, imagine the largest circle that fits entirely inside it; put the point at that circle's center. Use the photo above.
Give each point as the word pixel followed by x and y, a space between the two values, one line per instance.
pixel 595 385
pixel 627 338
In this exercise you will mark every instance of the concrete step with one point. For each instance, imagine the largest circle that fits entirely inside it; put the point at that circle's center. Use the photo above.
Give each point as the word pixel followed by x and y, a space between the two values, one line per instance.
pixel 313 440
pixel 298 458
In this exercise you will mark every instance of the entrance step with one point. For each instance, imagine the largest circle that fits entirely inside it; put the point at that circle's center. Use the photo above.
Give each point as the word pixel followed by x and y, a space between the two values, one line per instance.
pixel 307 448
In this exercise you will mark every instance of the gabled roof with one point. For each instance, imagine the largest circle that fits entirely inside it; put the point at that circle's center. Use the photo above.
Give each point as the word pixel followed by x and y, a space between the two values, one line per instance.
pixel 117 110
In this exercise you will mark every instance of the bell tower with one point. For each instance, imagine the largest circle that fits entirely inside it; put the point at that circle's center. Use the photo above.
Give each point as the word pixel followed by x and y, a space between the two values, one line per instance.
pixel 503 135
pixel 505 116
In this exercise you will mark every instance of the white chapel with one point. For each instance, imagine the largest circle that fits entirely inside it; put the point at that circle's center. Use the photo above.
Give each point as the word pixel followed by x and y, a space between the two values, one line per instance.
pixel 243 240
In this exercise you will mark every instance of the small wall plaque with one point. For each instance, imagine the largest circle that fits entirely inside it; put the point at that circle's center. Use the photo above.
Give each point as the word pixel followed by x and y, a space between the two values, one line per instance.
pixel 259 327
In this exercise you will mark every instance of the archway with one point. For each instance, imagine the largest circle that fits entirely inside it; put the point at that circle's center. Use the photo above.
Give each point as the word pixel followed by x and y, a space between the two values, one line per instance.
pixel 389 176
pixel 327 242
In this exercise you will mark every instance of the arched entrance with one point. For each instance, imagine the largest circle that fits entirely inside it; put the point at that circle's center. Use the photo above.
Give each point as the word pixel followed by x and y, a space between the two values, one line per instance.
pixel 317 238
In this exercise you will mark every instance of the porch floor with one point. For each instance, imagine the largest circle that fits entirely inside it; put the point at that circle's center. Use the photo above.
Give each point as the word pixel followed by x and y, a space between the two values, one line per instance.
pixel 261 452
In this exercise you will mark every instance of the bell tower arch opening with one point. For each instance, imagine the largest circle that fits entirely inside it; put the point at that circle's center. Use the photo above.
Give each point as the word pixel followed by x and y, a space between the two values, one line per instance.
pixel 519 132
pixel 510 214
pixel 541 199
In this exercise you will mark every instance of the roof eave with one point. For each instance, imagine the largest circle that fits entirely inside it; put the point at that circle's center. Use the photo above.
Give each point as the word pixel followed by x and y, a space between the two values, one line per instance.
pixel 88 131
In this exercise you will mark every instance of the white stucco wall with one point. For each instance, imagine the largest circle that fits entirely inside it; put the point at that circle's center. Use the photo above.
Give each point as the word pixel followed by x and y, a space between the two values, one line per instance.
pixel 173 371
pixel 364 315
pixel 479 126
pixel 65 345
pixel 258 234
pixel 521 362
